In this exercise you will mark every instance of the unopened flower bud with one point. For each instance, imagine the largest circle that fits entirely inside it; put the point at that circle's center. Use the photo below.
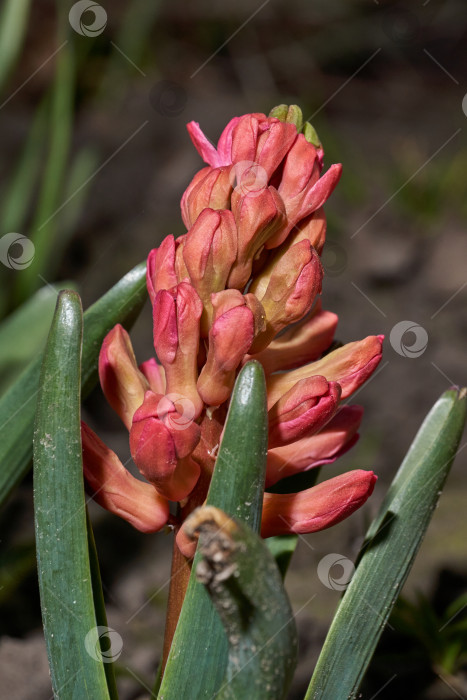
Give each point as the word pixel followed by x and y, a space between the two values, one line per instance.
pixel 257 216
pixel 177 317
pixel 209 252
pixel 317 508
pixel 291 114
pixel 122 382
pixel 350 366
pixel 211 187
pixel 303 410
pixel 116 490
pixel 160 268
pixel 301 188
pixel 301 343
pixel 324 447
pixel 159 448
pixel 154 374
pixel 287 288
pixel 230 338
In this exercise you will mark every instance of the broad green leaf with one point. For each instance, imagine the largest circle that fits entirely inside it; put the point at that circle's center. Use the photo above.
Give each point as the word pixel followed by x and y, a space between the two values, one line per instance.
pixel 121 304
pixel 196 669
pixel 70 627
pixel 24 332
pixel 245 585
pixel 388 552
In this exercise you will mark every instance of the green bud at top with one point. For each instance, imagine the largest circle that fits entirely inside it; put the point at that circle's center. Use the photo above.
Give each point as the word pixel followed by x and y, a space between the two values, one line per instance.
pixel 310 134
pixel 290 114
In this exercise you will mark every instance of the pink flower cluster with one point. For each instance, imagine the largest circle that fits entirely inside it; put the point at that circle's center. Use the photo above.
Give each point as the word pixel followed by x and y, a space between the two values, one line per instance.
pixel 227 291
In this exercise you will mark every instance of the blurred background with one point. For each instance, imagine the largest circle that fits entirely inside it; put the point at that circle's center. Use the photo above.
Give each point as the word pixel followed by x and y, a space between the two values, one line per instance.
pixel 94 157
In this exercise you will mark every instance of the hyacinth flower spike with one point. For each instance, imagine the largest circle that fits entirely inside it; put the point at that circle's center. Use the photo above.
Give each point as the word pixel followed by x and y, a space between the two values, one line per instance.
pixel 243 282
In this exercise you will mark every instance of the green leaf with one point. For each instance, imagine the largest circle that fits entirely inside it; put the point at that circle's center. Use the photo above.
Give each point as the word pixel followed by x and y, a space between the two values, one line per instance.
pixel 196 669
pixel 70 627
pixel 245 585
pixel 389 550
pixel 24 332
pixel 99 604
pixel 44 226
pixel 282 548
pixel 121 304
pixel 13 24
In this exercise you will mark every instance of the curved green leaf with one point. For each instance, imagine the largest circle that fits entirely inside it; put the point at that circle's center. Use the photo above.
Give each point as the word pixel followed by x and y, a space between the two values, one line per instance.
pixel 70 627
pixel 24 332
pixel 389 550
pixel 193 669
pixel 245 585
pixel 121 304
pixel 282 548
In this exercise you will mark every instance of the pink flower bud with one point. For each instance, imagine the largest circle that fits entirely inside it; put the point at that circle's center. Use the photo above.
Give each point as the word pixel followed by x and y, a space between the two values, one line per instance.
pixel 116 490
pixel 302 189
pixel 262 140
pixel 209 251
pixel 287 288
pixel 302 411
pixel 230 338
pixel 214 157
pixel 160 268
pixel 161 442
pixel 257 214
pixel 312 228
pixel 122 382
pixel 252 137
pixel 180 267
pixel 350 365
pixel 154 374
pixel 317 508
pixel 324 447
pixel 177 317
pixel 301 343
pixel 211 187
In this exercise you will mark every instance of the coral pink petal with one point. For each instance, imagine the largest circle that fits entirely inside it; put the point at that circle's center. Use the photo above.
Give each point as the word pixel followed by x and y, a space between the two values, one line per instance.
pixel 116 490
pixel 317 508
pixel 204 147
